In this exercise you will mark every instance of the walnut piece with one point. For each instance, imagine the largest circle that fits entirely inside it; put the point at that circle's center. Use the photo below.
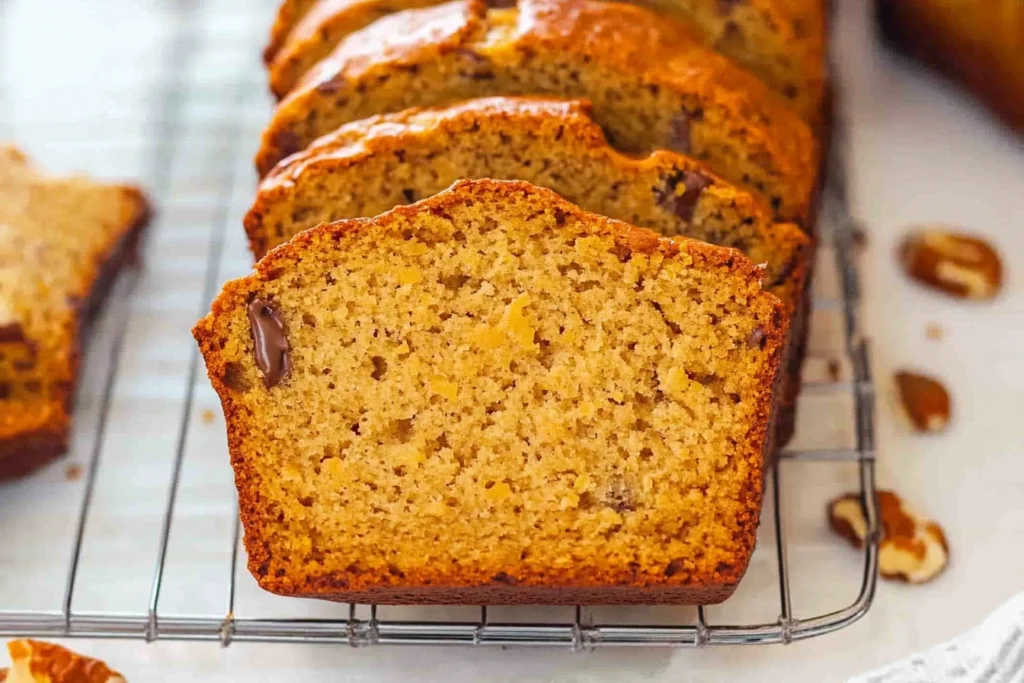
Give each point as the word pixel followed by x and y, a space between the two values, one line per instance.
pixel 34 661
pixel 957 264
pixel 912 549
pixel 925 401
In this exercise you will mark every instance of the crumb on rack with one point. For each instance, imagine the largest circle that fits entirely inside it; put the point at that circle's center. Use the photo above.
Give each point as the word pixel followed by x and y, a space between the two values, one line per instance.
pixel 835 370
pixel 933 331
pixel 860 237
pixel 925 400
pixel 73 472
pixel 208 416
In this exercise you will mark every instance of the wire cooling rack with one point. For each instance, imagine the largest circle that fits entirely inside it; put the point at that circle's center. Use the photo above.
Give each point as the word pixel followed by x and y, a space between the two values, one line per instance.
pixel 136 534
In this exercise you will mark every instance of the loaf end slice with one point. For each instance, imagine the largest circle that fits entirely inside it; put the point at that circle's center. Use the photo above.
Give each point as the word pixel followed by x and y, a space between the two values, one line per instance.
pixel 491 396
pixel 63 240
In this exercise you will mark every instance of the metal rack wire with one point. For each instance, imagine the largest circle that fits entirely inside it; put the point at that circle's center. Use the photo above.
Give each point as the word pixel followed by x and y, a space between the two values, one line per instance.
pixel 202 123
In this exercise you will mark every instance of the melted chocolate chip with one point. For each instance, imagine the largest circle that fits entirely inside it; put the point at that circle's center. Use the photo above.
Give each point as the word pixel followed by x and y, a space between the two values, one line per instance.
pixel 695 184
pixel 270 342
pixel 501 4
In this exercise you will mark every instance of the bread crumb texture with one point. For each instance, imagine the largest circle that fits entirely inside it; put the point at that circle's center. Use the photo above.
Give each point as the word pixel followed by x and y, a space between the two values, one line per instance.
pixel 494 390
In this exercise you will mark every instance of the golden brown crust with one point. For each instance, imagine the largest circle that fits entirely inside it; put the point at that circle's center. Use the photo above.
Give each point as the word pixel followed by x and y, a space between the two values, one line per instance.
pixel 316 34
pixel 591 583
pixel 51 663
pixel 781 42
pixel 686 97
pixel 288 15
pixel 980 46
pixel 34 430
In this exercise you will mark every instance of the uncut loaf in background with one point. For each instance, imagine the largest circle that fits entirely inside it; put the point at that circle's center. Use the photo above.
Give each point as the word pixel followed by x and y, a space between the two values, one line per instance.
pixel 980 45
pixel 491 396
pixel 652 84
pixel 780 41
pixel 369 166
pixel 61 242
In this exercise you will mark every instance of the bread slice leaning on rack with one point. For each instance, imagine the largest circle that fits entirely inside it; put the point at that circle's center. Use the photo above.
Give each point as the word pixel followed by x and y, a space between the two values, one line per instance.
pixel 652 84
pixel 369 166
pixel 491 396
pixel 782 42
pixel 61 241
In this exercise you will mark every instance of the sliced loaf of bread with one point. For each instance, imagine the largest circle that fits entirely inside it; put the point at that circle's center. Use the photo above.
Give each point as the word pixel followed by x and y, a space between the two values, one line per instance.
pixel 652 84
pixel 782 42
pixel 491 396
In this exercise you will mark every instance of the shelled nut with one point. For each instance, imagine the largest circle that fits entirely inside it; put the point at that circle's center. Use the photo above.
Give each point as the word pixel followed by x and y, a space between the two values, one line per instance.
pixel 925 401
pixel 957 264
pixel 912 549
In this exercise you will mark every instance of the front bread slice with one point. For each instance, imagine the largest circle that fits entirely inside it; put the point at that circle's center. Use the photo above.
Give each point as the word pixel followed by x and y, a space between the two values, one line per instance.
pixel 491 396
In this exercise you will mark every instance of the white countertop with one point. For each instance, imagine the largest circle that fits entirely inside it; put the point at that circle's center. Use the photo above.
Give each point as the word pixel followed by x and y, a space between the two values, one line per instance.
pixel 920 153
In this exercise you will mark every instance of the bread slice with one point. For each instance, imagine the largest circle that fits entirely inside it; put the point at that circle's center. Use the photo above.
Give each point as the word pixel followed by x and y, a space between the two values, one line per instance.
pixel 781 42
pixel 61 241
pixel 369 166
pixel 34 661
pixel 491 396
pixel 652 84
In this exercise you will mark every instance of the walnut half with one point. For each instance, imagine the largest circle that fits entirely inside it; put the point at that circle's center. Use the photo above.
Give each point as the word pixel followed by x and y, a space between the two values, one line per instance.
pixel 960 265
pixel 912 549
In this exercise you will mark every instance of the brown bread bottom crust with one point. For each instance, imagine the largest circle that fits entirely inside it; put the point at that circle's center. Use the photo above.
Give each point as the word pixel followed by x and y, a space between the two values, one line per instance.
pixel 501 594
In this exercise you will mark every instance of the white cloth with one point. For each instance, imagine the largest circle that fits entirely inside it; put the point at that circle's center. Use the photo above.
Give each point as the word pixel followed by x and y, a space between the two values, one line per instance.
pixel 992 652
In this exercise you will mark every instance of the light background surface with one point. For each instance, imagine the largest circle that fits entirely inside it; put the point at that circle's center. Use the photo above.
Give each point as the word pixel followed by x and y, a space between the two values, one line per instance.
pixel 80 83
